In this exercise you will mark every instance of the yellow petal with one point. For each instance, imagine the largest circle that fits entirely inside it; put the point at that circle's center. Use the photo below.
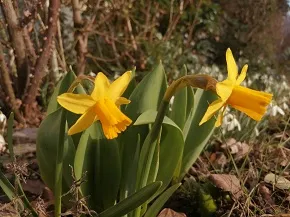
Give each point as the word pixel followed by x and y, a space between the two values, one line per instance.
pixel 224 89
pixel 76 103
pixel 251 102
pixel 231 65
pixel 242 76
pixel 211 110
pixel 118 87
pixel 101 88
pixel 122 101
pixel 219 120
pixel 83 122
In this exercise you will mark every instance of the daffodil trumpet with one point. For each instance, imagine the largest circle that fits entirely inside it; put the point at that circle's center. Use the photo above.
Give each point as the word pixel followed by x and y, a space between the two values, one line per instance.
pixel 103 104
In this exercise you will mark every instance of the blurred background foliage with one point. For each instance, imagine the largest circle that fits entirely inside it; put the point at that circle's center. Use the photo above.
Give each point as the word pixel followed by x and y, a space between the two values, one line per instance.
pixel 140 33
pixel 114 36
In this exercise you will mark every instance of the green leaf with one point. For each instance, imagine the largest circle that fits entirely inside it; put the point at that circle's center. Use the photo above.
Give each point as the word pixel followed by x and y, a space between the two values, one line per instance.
pixel 149 116
pixel 127 188
pixel 171 146
pixel 7 187
pixel 179 107
pixel 148 93
pixel 157 205
pixel 196 137
pixel 61 88
pixel 98 159
pixel 133 201
pixel 130 144
pixel 46 148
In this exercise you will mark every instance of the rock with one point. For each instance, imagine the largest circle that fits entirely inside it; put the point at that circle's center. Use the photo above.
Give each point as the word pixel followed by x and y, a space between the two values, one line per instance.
pixel 27 135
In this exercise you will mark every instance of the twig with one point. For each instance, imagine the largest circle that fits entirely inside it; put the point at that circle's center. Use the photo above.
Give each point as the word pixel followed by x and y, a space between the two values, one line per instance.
pixel 193 23
pixel 16 37
pixel 129 26
pixel 7 84
pixel 61 50
pixel 173 24
pixel 42 61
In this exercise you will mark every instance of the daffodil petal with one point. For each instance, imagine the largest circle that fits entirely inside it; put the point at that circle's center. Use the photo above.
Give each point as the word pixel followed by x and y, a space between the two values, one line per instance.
pixel 83 122
pixel 242 76
pixel 211 110
pixel 118 87
pixel 122 101
pixel 76 103
pixel 231 65
pixel 101 88
pixel 224 89
pixel 219 120
pixel 257 116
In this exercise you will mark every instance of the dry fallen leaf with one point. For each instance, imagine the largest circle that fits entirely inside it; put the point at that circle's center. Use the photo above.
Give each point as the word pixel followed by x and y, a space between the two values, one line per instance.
pixel 282 156
pixel 228 183
pixel 266 194
pixel 278 181
pixel 33 186
pixel 238 148
pixel 170 213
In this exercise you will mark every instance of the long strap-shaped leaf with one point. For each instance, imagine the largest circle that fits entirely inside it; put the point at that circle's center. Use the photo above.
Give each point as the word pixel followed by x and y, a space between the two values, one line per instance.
pixel 160 201
pixel 133 201
pixel 7 187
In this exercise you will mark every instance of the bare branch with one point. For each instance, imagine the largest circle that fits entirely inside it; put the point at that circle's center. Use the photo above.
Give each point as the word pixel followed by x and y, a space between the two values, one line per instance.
pixel 5 81
pixel 42 61
pixel 81 35
pixel 16 36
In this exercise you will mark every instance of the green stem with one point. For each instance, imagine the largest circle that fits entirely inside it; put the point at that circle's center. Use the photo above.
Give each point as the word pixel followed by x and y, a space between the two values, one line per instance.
pixel 59 166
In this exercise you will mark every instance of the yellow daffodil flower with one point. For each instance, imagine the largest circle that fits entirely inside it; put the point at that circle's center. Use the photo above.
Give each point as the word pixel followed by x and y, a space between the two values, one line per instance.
pixel 103 104
pixel 253 103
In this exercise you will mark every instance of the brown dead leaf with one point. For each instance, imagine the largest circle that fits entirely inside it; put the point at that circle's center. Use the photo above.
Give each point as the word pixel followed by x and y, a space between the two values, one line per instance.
pixel 228 183
pixel 33 186
pixel 266 194
pixel 279 182
pixel 240 149
pixel 170 213
pixel 282 156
